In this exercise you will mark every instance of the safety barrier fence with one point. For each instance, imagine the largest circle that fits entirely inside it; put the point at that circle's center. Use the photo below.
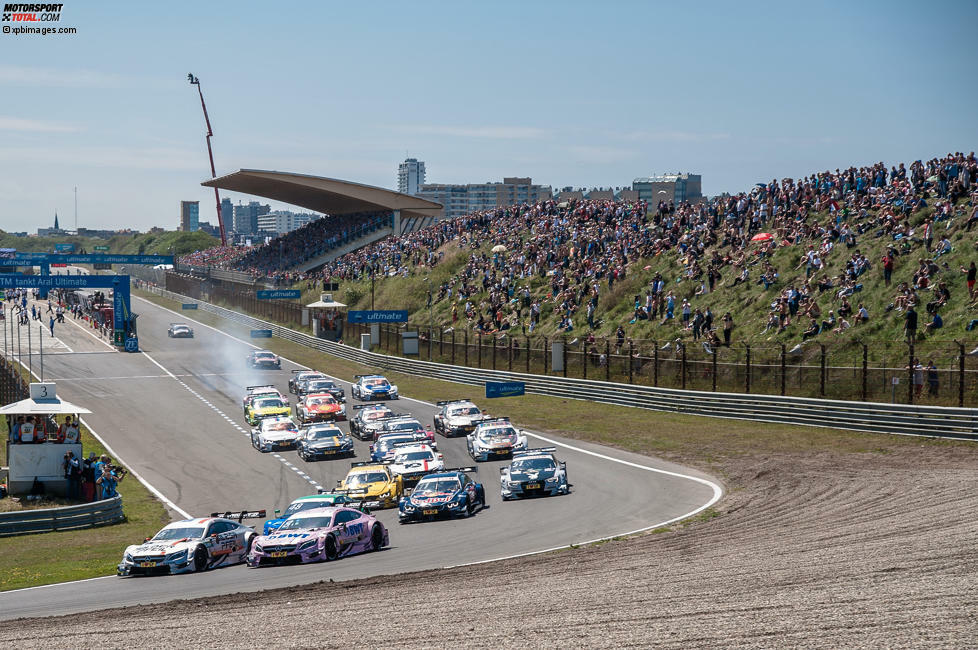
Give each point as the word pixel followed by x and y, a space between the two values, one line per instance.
pixel 44 520
pixel 908 419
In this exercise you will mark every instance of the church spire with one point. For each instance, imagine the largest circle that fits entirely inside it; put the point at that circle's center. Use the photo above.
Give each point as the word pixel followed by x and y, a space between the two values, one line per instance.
pixel 56 220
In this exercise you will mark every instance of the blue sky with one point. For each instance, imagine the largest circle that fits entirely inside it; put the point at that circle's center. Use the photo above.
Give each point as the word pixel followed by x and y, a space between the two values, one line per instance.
pixel 570 93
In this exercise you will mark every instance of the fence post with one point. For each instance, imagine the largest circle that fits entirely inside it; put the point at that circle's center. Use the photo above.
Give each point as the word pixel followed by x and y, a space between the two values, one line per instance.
pixel 865 371
pixel 480 349
pixel 715 368
pixel 683 367
pixel 607 359
pixel 441 342
pixel 631 354
pixel 453 346
pixel 510 339
pixel 655 363
pixel 910 374
pixel 466 348
pixel 566 355
pixel 821 379
pixel 430 342
pixel 584 359
pixel 527 354
pixel 546 357
pixel 747 377
pixel 494 352
pixel 961 374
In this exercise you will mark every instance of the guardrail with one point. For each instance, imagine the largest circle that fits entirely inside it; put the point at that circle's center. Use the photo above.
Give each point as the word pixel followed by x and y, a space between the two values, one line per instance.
pixel 45 520
pixel 904 419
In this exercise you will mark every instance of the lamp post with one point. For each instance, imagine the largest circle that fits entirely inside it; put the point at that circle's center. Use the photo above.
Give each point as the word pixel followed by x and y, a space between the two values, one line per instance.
pixel 431 317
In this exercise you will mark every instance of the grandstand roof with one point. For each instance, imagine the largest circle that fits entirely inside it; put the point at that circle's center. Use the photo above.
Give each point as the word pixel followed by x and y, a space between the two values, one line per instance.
pixel 326 195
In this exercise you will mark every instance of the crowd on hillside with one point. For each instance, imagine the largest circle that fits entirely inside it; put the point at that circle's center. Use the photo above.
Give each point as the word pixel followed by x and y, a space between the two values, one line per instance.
pixel 582 248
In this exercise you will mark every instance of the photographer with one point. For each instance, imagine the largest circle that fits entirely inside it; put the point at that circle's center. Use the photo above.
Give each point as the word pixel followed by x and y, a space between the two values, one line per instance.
pixel 73 473
pixel 109 480
pixel 88 477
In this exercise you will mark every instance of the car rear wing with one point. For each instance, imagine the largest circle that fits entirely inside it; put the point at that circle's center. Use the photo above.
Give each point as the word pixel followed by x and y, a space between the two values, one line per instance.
pixel 243 514
pixel 457 469
pixel 364 463
pixel 487 420
pixel 357 407
pixel 535 450
pixel 409 443
pixel 260 386
pixel 359 376
pixel 453 401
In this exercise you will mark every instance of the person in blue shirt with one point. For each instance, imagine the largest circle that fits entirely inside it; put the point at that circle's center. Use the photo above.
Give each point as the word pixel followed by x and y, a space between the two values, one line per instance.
pixel 936 324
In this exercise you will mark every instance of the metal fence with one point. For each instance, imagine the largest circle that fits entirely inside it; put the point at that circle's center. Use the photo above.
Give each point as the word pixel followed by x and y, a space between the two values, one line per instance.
pixel 858 416
pixel 13 386
pixel 45 520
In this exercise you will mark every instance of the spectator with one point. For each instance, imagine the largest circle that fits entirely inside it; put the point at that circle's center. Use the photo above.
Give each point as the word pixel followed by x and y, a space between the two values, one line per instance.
pixel 910 324
pixel 936 323
pixel 933 383
pixel 728 325
pixel 73 473
pixel 862 314
pixel 69 431
pixel 918 378
pixel 107 483
pixel 27 430
pixel 88 477
pixel 811 332
pixel 970 273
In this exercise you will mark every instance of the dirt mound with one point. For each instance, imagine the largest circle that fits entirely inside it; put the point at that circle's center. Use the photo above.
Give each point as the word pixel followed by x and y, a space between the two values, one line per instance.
pixel 874 549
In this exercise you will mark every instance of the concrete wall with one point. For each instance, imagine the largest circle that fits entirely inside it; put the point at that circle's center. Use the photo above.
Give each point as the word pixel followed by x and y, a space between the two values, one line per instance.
pixel 42 461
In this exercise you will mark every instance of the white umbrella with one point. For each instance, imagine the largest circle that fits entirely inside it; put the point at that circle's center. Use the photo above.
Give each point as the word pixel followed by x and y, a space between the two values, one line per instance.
pixel 498 248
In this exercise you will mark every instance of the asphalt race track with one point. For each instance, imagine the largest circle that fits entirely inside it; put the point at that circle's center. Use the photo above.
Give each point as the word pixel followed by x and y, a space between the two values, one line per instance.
pixel 173 414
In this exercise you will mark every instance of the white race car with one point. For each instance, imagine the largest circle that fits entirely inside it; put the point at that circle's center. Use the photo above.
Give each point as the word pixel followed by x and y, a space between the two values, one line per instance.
pixel 534 472
pixel 275 433
pixel 457 417
pixel 192 545
pixel 495 438
pixel 371 387
pixel 413 460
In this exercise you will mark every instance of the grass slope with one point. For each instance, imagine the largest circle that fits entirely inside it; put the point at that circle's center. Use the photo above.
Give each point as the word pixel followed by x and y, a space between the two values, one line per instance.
pixel 165 243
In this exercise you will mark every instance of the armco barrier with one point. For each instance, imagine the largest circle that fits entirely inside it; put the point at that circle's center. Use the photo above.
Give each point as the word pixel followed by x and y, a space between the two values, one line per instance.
pixel 931 421
pixel 45 520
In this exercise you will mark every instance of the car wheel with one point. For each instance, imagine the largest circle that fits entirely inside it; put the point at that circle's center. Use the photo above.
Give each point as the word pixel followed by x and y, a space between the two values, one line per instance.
pixel 200 558
pixel 376 538
pixel 469 509
pixel 249 542
pixel 330 549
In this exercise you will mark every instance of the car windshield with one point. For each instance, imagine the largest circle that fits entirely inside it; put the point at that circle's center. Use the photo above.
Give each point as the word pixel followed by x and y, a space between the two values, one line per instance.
pixel 438 486
pixel 464 410
pixel 279 426
pixel 533 465
pixel 180 327
pixel 363 478
pixel 375 415
pixel 299 506
pixel 408 456
pixel 378 383
pixel 404 426
pixel 386 443
pixel 269 403
pixel 179 533
pixel 306 523
pixel 316 401
pixel 497 432
pixel 321 385
pixel 323 434
pixel 264 355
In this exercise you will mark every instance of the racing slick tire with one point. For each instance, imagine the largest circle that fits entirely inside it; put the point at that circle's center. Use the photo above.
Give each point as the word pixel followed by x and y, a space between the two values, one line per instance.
pixel 200 558
pixel 330 549
pixel 249 542
pixel 376 538
pixel 480 494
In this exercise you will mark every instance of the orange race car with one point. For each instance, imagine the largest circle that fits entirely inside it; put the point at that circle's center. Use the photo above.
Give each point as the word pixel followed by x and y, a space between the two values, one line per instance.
pixel 319 407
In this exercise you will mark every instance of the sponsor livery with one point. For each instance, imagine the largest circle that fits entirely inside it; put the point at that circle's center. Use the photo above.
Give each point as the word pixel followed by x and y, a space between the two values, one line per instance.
pixel 494 438
pixel 445 494
pixel 319 534
pixel 533 472
pixel 370 387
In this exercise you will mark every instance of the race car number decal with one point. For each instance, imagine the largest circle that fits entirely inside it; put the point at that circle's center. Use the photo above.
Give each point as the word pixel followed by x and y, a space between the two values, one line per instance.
pixel 354 529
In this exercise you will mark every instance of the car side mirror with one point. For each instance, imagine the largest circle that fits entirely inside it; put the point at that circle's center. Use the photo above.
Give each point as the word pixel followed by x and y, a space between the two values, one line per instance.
pixel 502 470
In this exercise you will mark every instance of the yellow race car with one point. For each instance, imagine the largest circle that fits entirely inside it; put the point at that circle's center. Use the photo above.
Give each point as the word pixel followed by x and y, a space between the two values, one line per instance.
pixel 266 406
pixel 373 484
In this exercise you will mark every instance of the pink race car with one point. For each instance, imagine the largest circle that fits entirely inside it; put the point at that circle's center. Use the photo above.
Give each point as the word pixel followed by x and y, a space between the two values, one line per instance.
pixel 319 534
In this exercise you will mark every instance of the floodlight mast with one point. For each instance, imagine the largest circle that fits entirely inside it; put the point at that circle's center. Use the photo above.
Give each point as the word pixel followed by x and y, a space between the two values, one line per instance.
pixel 217 197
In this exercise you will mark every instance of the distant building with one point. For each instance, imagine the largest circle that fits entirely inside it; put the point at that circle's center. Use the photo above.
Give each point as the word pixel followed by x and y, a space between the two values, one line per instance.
pixel 189 216
pixel 410 176
pixel 45 232
pixel 283 221
pixel 227 213
pixel 246 217
pixel 474 197
pixel 210 229
pixel 678 188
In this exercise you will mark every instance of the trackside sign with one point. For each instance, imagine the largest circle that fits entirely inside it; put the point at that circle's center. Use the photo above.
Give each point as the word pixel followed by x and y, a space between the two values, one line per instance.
pixel 505 388
pixel 380 316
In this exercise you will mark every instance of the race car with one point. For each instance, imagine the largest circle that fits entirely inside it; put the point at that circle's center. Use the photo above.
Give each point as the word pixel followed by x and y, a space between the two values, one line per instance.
pixel 371 387
pixel 317 407
pixel 324 441
pixel 319 534
pixel 305 503
pixel 260 391
pixel 534 472
pixel 494 438
pixel 373 484
pixel 368 419
pixel 449 493
pixel 404 423
pixel 180 331
pixel 320 385
pixel 457 417
pixel 382 451
pixel 263 359
pixel 275 433
pixel 265 406
pixel 300 375
pixel 192 545
pixel 412 460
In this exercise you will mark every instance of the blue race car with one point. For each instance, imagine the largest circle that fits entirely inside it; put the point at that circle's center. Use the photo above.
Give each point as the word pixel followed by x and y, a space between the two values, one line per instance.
pixel 371 387
pixel 306 503
pixel 451 493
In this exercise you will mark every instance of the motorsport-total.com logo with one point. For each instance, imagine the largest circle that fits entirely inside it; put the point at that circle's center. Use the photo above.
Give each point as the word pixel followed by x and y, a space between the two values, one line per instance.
pixel 31 13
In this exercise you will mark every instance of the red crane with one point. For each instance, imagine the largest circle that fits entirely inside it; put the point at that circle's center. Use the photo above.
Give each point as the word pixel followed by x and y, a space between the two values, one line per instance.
pixel 217 197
